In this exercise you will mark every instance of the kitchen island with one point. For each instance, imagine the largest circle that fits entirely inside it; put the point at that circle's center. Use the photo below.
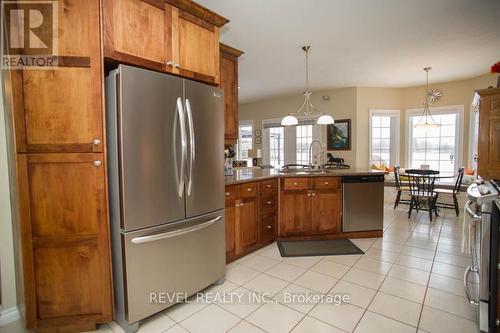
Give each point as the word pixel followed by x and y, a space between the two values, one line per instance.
pixel 263 205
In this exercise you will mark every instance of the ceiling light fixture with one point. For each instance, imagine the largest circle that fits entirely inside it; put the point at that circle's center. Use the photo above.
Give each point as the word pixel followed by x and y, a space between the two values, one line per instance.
pixel 431 97
pixel 307 109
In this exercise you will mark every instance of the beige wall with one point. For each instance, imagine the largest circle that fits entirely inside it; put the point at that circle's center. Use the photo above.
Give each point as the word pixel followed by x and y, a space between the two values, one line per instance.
pixel 342 104
pixel 355 103
pixel 7 266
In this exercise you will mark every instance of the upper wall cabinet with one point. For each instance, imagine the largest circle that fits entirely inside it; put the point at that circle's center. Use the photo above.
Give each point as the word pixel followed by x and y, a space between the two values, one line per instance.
pixel 229 83
pixel 489 134
pixel 174 36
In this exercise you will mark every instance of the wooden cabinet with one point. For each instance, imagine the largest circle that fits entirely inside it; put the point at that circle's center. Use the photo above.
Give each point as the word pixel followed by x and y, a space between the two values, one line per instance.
pixel 230 222
pixel 250 218
pixel 489 134
pixel 310 206
pixel 326 211
pixel 229 83
pixel 174 36
pixel 61 194
pixel 60 109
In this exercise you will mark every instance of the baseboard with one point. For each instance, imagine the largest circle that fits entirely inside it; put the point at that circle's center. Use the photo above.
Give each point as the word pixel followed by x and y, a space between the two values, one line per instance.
pixel 9 315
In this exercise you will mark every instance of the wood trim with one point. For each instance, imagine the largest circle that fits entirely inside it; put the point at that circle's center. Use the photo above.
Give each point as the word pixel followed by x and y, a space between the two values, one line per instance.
pixel 196 20
pixel 17 100
pixel 489 91
pixel 107 42
pixel 175 38
pixel 217 56
pixel 198 76
pixel 357 234
pixel 168 40
pixel 230 51
pixel 199 11
pixel 129 59
pixel 157 3
pixel 71 61
pixel 41 242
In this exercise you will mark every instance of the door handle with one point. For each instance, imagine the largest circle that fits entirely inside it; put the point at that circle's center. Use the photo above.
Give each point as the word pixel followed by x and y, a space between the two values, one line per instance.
pixel 192 145
pixel 170 234
pixel 466 286
pixel 182 121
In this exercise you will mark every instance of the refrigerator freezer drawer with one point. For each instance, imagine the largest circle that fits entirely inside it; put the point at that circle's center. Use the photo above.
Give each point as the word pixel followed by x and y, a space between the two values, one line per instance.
pixel 176 259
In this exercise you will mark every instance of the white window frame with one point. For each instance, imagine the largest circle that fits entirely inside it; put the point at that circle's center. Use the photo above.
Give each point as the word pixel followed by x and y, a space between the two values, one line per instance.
pixel 245 123
pixel 290 142
pixel 459 130
pixel 395 133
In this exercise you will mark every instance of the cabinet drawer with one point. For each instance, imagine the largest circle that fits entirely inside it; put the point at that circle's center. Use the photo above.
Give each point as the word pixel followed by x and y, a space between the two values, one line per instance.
pixel 296 183
pixel 268 203
pixel 267 228
pixel 268 186
pixel 248 190
pixel 326 182
pixel 230 194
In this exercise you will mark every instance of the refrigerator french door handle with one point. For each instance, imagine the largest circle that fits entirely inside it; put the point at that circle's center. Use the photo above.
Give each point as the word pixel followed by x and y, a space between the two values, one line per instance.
pixel 176 233
pixel 182 121
pixel 192 145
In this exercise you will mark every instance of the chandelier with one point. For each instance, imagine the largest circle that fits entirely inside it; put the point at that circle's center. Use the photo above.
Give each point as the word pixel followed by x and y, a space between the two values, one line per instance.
pixel 431 97
pixel 307 109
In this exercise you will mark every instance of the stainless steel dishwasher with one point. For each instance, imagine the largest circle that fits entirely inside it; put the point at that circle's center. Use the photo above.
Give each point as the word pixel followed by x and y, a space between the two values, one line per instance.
pixel 363 207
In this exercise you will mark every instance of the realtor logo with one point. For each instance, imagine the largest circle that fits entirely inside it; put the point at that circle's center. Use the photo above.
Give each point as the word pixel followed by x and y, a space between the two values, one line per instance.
pixel 29 34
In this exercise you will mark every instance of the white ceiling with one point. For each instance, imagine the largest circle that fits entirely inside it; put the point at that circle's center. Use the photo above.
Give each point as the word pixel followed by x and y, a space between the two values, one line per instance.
pixel 358 42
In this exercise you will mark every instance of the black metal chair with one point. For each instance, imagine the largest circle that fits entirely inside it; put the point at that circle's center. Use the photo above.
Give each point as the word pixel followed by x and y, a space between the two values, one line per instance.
pixel 398 179
pixel 422 192
pixel 453 192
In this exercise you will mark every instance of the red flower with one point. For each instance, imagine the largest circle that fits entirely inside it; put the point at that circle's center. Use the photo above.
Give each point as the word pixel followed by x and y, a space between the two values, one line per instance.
pixel 496 68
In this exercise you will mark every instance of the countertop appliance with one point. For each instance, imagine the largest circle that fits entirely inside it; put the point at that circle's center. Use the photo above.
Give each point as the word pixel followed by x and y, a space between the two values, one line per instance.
pixel 363 203
pixel 166 189
pixel 482 208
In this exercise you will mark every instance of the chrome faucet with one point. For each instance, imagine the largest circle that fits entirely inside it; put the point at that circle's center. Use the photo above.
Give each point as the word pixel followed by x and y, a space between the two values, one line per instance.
pixel 310 152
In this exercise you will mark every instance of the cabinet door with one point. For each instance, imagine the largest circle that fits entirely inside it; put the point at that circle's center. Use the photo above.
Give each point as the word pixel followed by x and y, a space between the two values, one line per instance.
pixel 267 228
pixel 195 47
pixel 325 211
pixel 60 109
pixel 136 32
pixel 229 83
pixel 489 136
pixel 295 213
pixel 247 225
pixel 65 237
pixel 230 222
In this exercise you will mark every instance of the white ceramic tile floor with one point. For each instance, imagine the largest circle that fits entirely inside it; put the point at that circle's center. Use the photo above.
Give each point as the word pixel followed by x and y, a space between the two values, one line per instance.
pixel 408 281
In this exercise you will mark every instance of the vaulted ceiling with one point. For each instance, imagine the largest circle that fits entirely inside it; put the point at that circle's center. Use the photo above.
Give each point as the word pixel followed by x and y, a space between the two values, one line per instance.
pixel 383 43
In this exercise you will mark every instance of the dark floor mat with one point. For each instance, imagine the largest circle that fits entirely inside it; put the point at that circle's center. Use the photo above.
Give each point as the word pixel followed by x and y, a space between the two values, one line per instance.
pixel 328 247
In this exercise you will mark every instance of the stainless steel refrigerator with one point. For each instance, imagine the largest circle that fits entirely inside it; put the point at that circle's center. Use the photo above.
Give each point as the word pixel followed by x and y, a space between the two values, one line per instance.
pixel 166 188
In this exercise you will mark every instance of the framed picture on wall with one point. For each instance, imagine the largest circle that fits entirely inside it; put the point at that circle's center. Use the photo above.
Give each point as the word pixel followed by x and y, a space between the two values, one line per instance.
pixel 338 135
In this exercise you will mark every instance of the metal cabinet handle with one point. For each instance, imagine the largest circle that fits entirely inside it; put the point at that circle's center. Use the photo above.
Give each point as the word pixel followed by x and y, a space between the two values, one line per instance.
pixel 96 142
pixel 314 194
pixel 146 239
pixel 308 194
pixel 466 285
pixel 249 189
pixel 269 227
pixel 268 185
pixel 295 184
pixel 97 163
pixel 326 183
pixel 170 63
pixel 269 202
pixel 176 65
pixel 228 194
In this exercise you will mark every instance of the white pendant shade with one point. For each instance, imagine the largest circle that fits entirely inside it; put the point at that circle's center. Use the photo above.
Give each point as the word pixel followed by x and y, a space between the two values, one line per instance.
pixel 289 121
pixel 326 120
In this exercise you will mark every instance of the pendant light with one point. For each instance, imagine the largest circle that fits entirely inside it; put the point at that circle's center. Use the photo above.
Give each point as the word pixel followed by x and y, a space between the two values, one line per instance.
pixel 307 109
pixel 431 97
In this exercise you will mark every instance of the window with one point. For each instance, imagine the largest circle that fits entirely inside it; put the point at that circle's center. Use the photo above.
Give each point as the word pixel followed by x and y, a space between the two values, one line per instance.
pixel 245 139
pixel 287 145
pixel 277 146
pixel 438 147
pixel 384 137
pixel 304 137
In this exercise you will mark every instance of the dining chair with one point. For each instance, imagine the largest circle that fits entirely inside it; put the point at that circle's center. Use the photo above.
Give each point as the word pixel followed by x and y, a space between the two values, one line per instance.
pixel 453 192
pixel 422 196
pixel 400 187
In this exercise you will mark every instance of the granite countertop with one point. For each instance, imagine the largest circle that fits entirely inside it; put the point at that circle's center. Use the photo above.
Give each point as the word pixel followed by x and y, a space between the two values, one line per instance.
pixel 255 174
